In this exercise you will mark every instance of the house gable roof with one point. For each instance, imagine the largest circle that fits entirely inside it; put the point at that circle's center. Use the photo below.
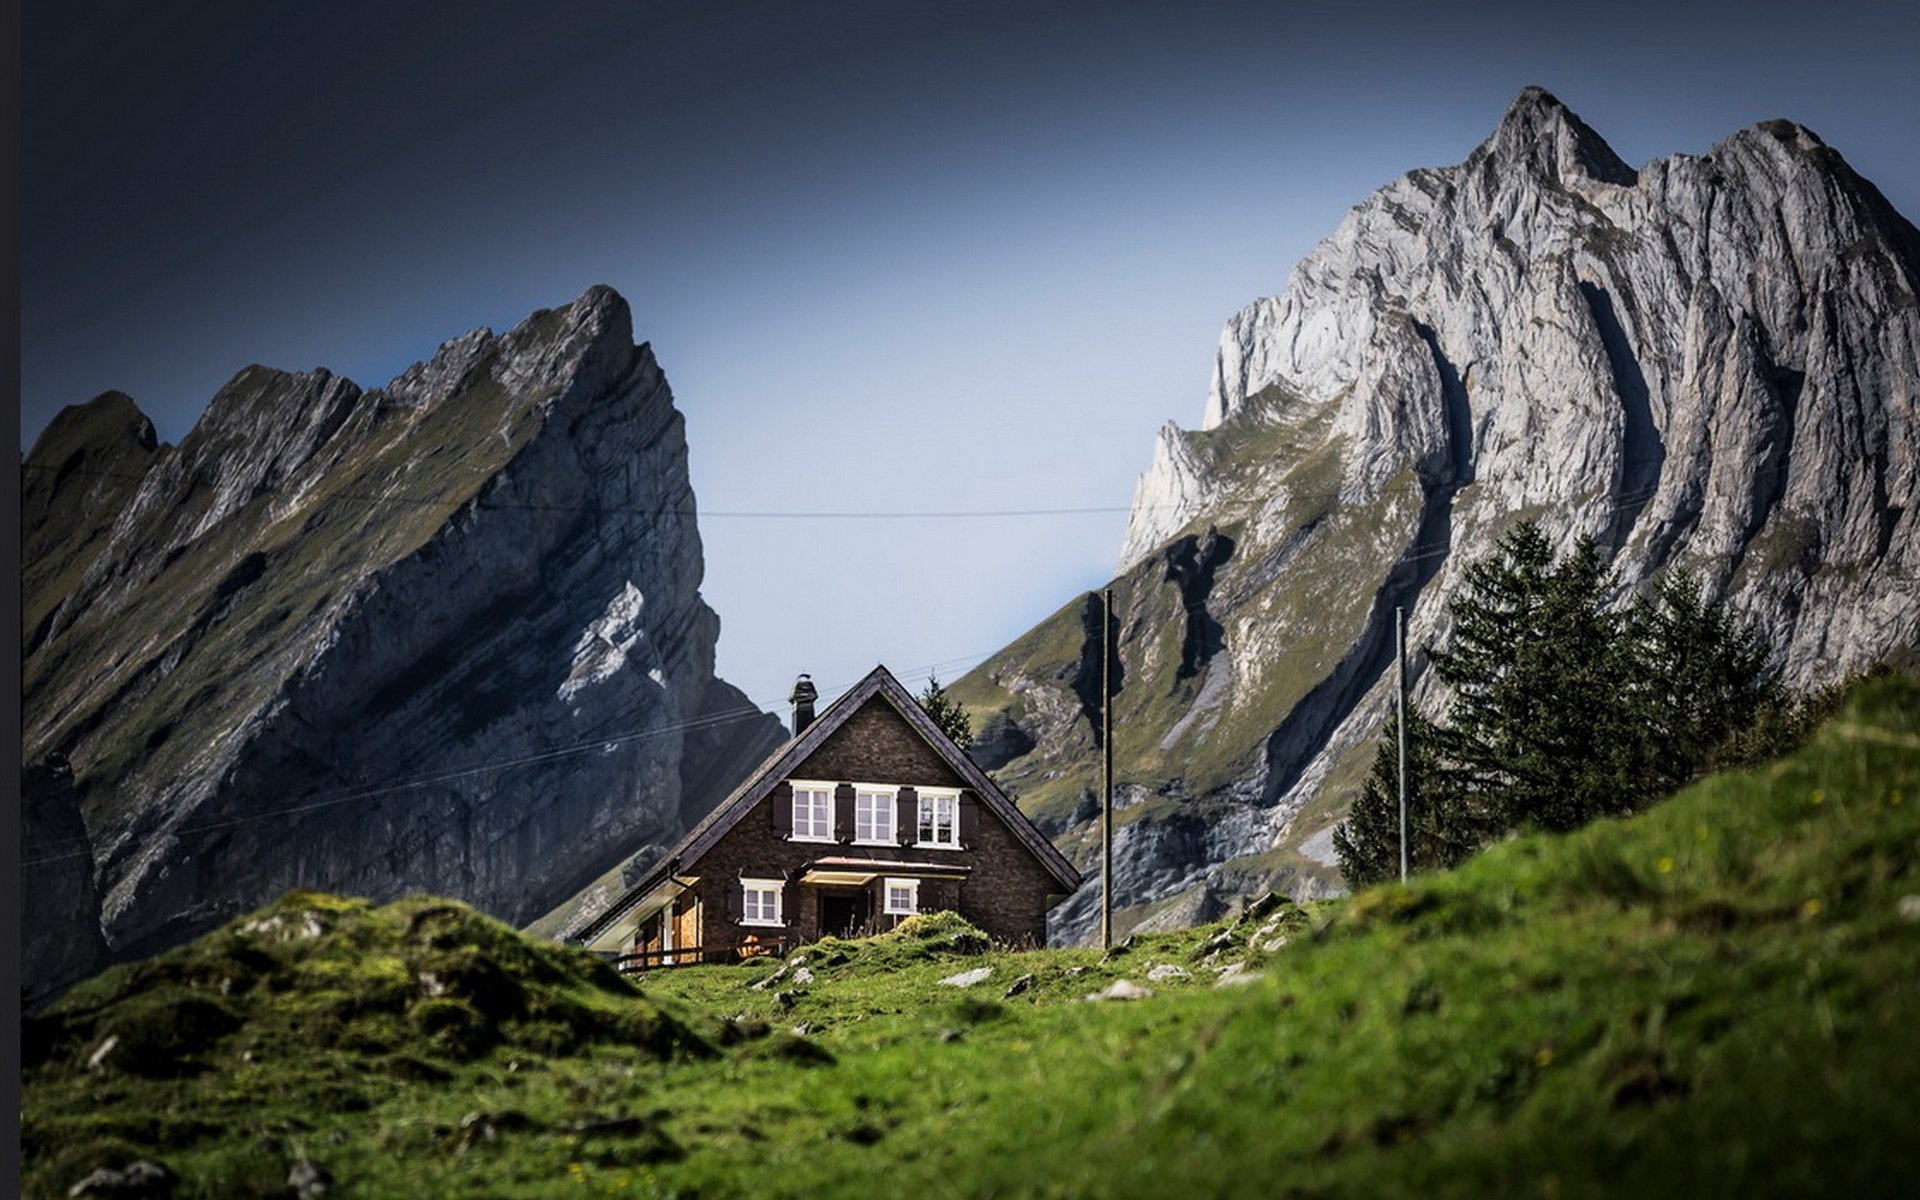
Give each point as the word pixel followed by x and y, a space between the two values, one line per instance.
pixel 781 764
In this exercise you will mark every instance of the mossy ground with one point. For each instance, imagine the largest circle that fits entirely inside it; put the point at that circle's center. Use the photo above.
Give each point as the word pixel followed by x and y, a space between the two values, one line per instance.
pixel 1713 998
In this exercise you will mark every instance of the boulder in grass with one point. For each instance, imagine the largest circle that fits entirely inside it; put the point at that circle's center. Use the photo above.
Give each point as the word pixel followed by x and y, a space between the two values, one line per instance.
pixel 1121 989
pixel 140 1179
pixel 967 978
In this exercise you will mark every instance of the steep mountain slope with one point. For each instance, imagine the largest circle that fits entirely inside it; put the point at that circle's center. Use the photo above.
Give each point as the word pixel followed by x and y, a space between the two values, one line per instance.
pixel 323 594
pixel 1709 363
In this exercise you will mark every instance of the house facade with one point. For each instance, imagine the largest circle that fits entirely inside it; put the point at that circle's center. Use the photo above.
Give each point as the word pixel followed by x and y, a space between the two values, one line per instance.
pixel 868 815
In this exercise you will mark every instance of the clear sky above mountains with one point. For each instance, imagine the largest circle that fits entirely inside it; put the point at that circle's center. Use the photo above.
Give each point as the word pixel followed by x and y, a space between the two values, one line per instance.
pixel 892 257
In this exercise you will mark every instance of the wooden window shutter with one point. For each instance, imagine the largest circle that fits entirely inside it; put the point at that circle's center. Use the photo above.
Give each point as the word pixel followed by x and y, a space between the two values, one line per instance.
pixel 783 809
pixel 790 903
pixel 906 825
pixel 969 820
pixel 736 900
pixel 843 813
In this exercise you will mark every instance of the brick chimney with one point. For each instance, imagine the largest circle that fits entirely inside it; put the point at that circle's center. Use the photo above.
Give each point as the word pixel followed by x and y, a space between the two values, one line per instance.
pixel 802 700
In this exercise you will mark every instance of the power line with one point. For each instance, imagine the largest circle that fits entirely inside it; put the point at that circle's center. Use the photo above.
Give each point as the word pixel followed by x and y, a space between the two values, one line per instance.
pixel 599 744
pixel 403 500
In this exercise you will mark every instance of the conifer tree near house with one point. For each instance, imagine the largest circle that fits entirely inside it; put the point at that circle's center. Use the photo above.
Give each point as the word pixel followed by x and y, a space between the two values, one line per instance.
pixel 1562 709
pixel 947 713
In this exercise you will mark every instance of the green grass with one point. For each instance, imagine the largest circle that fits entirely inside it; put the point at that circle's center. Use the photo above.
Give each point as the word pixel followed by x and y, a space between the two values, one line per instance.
pixel 1712 998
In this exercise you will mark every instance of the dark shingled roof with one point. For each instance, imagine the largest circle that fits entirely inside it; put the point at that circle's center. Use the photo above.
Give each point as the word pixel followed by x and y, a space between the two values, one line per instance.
pixel 781 763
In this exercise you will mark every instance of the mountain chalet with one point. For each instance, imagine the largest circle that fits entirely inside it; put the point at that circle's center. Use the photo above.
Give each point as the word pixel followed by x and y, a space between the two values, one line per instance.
pixel 868 815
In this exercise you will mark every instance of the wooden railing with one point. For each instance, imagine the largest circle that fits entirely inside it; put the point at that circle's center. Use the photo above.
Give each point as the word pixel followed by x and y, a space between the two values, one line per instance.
pixel 688 956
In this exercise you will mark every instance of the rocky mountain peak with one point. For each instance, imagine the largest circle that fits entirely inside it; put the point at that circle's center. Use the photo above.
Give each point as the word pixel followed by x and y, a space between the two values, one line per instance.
pixel 1716 369
pixel 1544 136
pixel 109 420
pixel 329 591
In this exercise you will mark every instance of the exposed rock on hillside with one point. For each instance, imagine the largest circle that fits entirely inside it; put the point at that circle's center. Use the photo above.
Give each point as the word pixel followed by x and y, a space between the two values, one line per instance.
pixel 339 638
pixel 1712 363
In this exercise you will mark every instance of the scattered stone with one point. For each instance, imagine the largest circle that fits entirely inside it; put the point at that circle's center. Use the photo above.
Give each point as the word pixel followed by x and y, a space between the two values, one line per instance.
pixel 309 1180
pixel 950 1035
pixel 1018 986
pixel 99 1056
pixel 1219 942
pixel 1264 905
pixel 802 977
pixel 477 1127
pixel 1125 947
pixel 1909 908
pixel 742 1028
pixel 1122 989
pixel 1273 943
pixel 136 1179
pixel 1168 971
pixel 967 978
pixel 1070 972
pixel 788 999
pixel 281 928
pixel 762 985
pixel 1235 974
pixel 804 1029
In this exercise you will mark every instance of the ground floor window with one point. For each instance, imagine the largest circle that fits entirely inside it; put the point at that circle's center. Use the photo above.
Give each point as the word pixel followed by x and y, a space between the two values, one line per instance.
pixel 760 901
pixel 903 897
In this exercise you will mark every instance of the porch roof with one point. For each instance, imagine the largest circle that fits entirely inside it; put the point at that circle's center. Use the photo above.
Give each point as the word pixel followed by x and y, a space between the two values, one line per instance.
pixel 862 870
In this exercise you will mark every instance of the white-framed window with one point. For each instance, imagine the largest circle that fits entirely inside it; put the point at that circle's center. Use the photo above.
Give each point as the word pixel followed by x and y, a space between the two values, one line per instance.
pixel 760 901
pixel 903 897
pixel 939 819
pixel 873 810
pixel 812 812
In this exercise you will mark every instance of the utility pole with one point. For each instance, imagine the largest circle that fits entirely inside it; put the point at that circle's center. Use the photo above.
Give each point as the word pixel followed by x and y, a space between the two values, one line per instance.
pixel 1106 770
pixel 1400 658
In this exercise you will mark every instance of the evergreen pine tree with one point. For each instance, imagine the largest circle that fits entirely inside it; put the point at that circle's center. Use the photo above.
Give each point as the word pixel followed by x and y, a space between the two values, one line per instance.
pixel 1534 666
pixel 1564 709
pixel 1702 680
pixel 947 713
pixel 1442 826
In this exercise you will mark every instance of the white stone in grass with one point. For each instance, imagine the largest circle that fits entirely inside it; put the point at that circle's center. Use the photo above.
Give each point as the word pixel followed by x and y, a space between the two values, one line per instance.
pixel 1122 989
pixel 1169 971
pixel 968 978
pixel 1909 908
pixel 1235 974
pixel 801 977
pixel 100 1053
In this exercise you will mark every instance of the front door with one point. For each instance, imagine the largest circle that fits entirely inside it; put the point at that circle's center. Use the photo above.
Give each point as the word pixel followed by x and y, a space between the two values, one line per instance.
pixel 840 914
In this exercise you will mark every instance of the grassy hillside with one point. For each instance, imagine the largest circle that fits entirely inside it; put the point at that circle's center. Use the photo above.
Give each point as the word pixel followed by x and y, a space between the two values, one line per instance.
pixel 1713 998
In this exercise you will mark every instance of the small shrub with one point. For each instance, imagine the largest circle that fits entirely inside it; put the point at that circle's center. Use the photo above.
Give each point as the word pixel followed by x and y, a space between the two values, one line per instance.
pixel 943 933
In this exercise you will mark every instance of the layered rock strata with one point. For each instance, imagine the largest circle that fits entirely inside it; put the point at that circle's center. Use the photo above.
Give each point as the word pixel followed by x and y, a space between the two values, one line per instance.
pixel 1710 363
pixel 444 635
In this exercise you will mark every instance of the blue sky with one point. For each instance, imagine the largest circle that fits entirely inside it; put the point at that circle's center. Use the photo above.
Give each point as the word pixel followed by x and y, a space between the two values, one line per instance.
pixel 927 256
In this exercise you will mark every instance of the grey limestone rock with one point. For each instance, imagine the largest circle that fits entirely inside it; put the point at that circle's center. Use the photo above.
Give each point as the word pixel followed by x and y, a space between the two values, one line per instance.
pixel 1709 363
pixel 440 636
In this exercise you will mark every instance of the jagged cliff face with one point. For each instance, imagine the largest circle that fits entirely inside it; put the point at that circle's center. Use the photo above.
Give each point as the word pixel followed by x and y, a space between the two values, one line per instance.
pixel 1708 363
pixel 441 636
